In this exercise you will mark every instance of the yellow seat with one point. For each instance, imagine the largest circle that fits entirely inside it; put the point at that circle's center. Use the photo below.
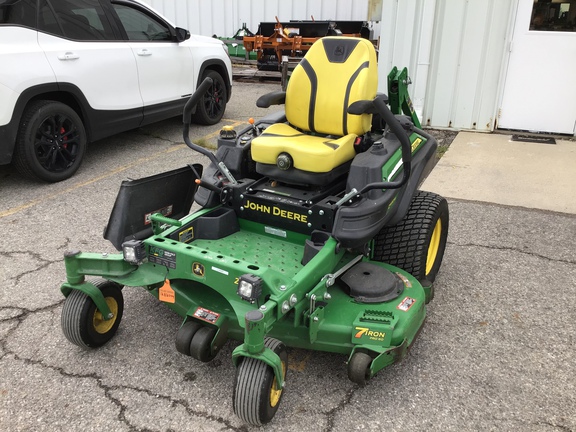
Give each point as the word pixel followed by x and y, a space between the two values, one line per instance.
pixel 310 153
pixel 320 134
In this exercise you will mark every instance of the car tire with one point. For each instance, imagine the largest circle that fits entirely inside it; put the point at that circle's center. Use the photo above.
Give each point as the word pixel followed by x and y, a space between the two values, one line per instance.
pixel 211 107
pixel 51 142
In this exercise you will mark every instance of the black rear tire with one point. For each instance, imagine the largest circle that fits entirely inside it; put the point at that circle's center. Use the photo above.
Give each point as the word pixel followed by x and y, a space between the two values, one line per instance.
pixel 212 105
pixel 255 397
pixel 51 142
pixel 417 243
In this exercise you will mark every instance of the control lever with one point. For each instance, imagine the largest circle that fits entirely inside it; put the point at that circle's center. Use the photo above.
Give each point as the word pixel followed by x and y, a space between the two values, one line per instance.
pixel 331 277
pixel 255 131
pixel 187 118
pixel 208 186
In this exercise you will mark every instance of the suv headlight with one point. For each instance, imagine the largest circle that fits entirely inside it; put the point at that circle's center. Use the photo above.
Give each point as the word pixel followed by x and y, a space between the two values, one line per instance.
pixel 249 287
pixel 133 251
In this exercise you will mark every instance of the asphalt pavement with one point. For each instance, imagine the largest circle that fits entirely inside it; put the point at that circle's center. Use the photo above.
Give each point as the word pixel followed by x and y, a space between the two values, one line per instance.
pixel 496 353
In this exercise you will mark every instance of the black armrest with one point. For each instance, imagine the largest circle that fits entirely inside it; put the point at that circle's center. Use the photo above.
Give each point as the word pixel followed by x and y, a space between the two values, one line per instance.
pixel 366 106
pixel 274 98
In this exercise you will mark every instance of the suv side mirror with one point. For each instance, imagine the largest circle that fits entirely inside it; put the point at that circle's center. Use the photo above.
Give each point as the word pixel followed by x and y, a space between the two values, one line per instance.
pixel 182 34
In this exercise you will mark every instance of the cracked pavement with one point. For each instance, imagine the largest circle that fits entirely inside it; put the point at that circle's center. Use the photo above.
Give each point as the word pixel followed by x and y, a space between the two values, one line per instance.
pixel 496 352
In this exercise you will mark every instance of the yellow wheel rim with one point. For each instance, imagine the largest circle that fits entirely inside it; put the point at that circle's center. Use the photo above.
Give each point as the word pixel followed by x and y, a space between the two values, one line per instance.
pixel 275 392
pixel 101 325
pixel 433 246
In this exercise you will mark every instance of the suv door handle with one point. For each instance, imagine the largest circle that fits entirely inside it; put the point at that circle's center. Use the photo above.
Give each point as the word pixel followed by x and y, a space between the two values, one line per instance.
pixel 144 52
pixel 68 55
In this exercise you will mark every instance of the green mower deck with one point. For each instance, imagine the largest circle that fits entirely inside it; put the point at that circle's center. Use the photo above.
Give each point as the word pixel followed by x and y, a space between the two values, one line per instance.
pixel 301 311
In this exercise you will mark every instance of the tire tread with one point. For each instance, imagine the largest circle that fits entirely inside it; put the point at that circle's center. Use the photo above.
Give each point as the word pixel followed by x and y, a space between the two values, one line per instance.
pixel 250 381
pixel 71 317
pixel 405 245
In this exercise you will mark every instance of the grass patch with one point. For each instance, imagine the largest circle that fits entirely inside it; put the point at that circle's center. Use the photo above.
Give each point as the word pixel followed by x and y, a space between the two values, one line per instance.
pixel 444 138
pixel 441 150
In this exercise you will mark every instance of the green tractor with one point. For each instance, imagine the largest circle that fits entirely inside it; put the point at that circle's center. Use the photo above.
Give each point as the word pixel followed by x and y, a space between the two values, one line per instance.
pixel 311 233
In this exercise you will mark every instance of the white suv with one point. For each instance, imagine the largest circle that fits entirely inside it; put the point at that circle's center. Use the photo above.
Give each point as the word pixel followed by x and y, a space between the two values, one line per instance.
pixel 76 71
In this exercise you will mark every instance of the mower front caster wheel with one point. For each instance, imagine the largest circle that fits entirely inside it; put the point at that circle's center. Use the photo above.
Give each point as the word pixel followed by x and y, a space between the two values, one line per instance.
pixel 83 324
pixel 359 368
pixel 200 346
pixel 184 336
pixel 256 395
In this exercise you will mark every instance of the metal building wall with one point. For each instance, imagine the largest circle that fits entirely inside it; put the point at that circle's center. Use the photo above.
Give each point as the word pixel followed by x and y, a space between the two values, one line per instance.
pixel 469 54
pixel 225 17
pixel 405 41
pixel 456 54
pixel 456 50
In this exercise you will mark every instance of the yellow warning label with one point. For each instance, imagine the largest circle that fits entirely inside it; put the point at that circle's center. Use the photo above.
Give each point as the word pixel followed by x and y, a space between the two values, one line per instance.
pixel 166 293
pixel 187 235
pixel 415 144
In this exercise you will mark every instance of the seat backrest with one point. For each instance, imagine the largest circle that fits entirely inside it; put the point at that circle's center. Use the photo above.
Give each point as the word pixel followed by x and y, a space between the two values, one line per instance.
pixel 334 73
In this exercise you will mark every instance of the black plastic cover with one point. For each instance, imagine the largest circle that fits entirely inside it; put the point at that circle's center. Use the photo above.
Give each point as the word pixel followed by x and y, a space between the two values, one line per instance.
pixel 236 157
pixel 170 193
pixel 314 244
pixel 370 283
pixel 214 225
pixel 357 224
pixel 300 177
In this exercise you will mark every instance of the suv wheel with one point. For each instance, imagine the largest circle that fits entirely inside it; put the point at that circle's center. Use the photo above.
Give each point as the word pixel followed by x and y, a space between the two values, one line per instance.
pixel 211 107
pixel 51 142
